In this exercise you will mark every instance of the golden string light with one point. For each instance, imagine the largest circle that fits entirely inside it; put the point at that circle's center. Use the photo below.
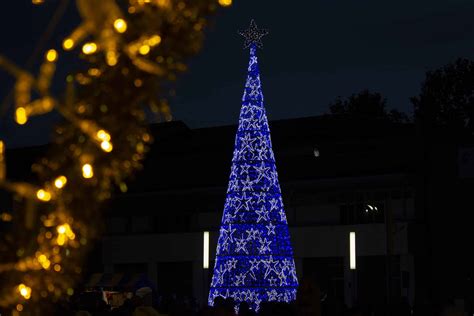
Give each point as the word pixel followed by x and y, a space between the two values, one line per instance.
pixel 68 44
pixel 87 171
pixel 132 52
pixel 120 25
pixel 89 48
pixel 52 55
pixel 225 3
pixel 25 291
pixel 43 195
pixel 60 182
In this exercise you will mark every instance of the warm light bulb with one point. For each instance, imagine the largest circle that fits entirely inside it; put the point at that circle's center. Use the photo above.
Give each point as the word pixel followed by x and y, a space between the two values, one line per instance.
pixel 87 171
pixel 61 229
pixel 154 40
pixel 25 291
pixel 106 146
pixel 51 55
pixel 89 48
pixel 43 195
pixel 68 43
pixel 103 135
pixel 60 182
pixel 144 49
pixel 111 58
pixel 120 25
pixel 225 3
pixel 20 116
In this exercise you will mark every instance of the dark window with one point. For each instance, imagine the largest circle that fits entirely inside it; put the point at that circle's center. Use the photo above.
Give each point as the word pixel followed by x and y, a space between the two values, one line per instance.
pixel 131 268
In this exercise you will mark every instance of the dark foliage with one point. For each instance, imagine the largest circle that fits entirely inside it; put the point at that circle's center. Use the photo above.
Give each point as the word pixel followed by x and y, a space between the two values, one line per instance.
pixel 447 97
pixel 366 105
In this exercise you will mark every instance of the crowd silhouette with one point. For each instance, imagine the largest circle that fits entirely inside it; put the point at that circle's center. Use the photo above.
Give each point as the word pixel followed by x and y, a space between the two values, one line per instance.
pixel 145 302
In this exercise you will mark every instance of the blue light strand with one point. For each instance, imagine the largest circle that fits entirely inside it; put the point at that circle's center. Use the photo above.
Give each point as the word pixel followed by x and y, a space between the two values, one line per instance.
pixel 254 256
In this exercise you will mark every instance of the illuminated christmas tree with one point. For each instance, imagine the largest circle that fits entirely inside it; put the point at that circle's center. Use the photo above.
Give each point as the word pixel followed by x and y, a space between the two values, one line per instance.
pixel 254 257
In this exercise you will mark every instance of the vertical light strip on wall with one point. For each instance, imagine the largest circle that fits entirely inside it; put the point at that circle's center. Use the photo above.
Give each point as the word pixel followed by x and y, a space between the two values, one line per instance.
pixel 205 262
pixel 352 250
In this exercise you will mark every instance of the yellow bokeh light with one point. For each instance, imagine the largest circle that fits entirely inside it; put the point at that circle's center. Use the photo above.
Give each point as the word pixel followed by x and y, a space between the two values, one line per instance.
pixel 68 43
pixel 51 55
pixel 106 146
pixel 163 3
pixel 103 135
pixel 111 58
pixel 43 195
pixel 225 3
pixel 61 229
pixel 95 72
pixel 61 240
pixel 5 217
pixel 64 233
pixel 44 261
pixel 60 182
pixel 144 49
pixel 154 40
pixel 89 48
pixel 20 116
pixel 25 291
pixel 120 25
pixel 87 171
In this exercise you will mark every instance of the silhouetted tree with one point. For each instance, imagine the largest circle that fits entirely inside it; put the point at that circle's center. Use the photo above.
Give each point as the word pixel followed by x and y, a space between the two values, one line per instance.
pixel 447 97
pixel 366 105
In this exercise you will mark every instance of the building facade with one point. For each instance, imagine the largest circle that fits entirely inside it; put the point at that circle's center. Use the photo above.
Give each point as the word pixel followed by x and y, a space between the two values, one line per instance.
pixel 337 176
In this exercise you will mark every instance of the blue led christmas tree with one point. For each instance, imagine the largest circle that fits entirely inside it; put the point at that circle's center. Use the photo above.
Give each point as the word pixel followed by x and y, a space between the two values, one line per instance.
pixel 254 257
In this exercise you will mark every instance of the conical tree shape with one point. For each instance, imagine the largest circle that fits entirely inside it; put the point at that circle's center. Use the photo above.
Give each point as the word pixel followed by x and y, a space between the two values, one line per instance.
pixel 254 257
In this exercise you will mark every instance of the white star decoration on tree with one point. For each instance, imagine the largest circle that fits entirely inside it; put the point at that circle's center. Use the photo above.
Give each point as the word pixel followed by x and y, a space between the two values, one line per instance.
pixel 240 245
pixel 270 266
pixel 262 215
pixel 270 229
pixel 253 35
pixel 264 245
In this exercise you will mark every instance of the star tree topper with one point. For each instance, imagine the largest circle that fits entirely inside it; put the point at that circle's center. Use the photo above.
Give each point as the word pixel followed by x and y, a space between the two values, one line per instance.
pixel 253 35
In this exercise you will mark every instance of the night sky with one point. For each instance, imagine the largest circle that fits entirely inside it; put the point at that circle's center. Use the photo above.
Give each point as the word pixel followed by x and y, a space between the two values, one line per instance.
pixel 317 50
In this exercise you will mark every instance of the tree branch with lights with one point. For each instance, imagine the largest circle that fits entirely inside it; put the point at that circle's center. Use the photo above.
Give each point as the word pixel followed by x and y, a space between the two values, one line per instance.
pixel 132 50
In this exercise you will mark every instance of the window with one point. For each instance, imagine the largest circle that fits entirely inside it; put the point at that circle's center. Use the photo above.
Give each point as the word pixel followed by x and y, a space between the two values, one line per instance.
pixel 362 213
pixel 117 225
pixel 142 224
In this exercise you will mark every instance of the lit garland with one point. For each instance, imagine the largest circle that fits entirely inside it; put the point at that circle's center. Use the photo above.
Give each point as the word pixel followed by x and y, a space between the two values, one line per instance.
pixel 134 49
pixel 254 257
